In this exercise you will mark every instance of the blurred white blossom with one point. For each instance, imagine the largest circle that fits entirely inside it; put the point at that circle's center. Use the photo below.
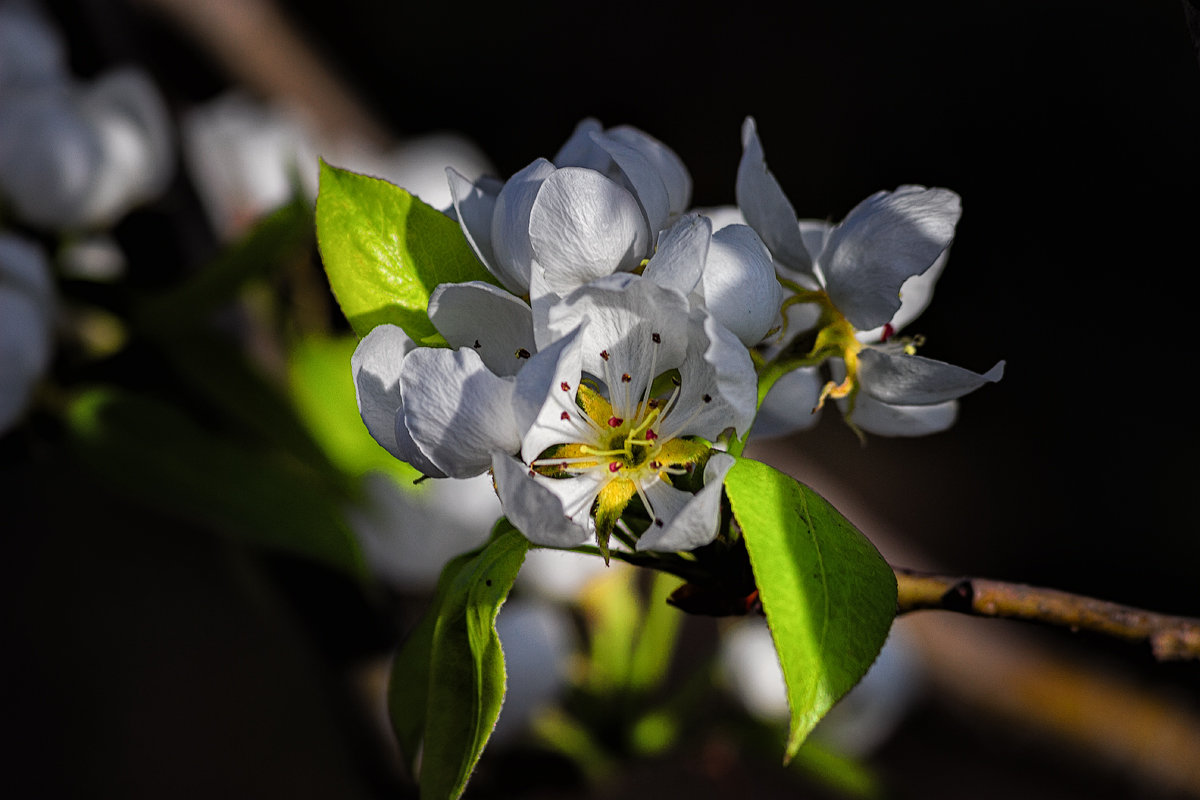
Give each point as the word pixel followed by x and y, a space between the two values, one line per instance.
pixel 248 157
pixel 74 155
pixel 860 722
pixel 408 535
pixel 26 324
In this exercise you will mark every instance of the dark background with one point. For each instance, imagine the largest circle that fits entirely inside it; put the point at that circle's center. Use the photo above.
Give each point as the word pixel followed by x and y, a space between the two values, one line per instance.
pixel 1072 132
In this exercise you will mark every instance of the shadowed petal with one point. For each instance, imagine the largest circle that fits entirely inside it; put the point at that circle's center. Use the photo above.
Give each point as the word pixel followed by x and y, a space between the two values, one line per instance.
pixel 694 520
pixel 487 319
pixel 510 225
pixel 375 366
pixel 884 419
pixel 766 207
pixel 456 410
pixel 641 176
pixel 788 406
pixel 669 167
pixel 535 510
pixel 678 262
pixel 475 205
pixel 901 379
pixel 884 241
pixel 739 284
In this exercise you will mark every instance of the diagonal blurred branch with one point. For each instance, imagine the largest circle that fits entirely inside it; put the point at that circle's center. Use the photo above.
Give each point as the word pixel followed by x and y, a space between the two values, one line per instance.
pixel 260 48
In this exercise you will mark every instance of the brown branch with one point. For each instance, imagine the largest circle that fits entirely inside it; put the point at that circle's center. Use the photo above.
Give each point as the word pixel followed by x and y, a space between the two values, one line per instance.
pixel 1170 637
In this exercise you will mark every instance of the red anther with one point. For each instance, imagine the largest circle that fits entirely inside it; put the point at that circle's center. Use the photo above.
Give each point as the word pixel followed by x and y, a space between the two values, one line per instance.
pixel 656 338
pixel 653 402
pixel 655 465
pixel 614 466
pixel 604 354
pixel 651 435
pixel 477 344
pixel 658 521
pixel 888 332
pixel 566 387
pixel 564 416
pixel 522 353
pixel 707 398
pixel 615 422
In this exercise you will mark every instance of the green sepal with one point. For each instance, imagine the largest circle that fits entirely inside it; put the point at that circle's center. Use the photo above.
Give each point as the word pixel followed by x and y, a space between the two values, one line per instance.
pixel 385 251
pixel 448 679
pixel 828 595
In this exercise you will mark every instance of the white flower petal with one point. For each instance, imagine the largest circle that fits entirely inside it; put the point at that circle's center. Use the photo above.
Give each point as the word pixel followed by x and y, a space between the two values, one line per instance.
pixel 581 150
pixel 669 167
pixel 902 379
pixel 23 266
pixel 915 296
pixel 624 314
pixel 408 534
pixel 697 521
pixel 131 122
pixel 456 410
pixel 885 240
pixel 678 262
pixel 375 366
pixel 32 54
pixel 885 419
pixel 766 207
pixel 642 178
pixel 487 319
pixel 49 158
pixel 535 510
pixel 815 233
pixel 789 405
pixel 719 387
pixel 739 286
pixel 510 225
pixel 584 226
pixel 545 389
pixel 474 204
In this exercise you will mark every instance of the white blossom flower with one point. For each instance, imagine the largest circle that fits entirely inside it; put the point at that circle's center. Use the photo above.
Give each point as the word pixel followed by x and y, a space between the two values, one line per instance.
pixel 597 207
pixel 863 280
pixel 247 158
pixel 860 722
pixel 26 324
pixel 77 155
pixel 408 535
pixel 443 410
pixel 606 204
pixel 613 430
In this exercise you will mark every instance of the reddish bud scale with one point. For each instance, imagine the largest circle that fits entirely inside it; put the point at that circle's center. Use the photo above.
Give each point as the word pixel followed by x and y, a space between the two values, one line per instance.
pixel 615 422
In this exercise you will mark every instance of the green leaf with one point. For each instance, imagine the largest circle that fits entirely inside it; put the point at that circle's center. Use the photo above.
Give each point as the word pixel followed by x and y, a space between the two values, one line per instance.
pixel 385 252
pixel 408 689
pixel 153 452
pixel 448 680
pixel 828 595
pixel 322 390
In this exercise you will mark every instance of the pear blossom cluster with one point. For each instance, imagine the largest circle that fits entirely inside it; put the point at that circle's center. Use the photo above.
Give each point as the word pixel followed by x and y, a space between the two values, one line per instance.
pixel 602 377
pixel 856 285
